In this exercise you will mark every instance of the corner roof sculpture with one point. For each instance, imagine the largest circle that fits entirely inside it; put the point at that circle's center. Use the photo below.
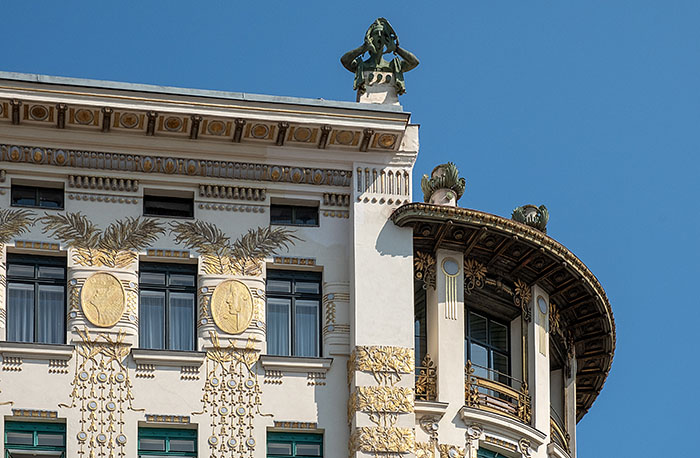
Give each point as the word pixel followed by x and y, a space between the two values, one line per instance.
pixel 380 39
pixel 443 177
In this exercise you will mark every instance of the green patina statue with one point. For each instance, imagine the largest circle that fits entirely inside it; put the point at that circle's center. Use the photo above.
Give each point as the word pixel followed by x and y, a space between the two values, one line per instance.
pixel 443 186
pixel 380 39
pixel 533 216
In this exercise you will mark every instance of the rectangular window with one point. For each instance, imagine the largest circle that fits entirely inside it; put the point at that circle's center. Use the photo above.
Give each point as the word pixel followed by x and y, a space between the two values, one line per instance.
pixel 293 313
pixel 167 306
pixel 293 215
pixel 35 196
pixel 290 445
pixel 487 346
pixel 178 207
pixel 36 299
pixel 24 439
pixel 160 442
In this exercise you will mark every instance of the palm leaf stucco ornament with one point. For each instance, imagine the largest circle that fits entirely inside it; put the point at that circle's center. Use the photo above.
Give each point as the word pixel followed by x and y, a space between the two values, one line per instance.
pixel 443 177
pixel 14 223
pixel 115 247
pixel 536 217
pixel 222 257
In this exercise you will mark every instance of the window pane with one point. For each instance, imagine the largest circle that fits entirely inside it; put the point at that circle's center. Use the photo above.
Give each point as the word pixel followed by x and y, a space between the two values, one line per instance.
pixel 153 278
pixel 308 449
pixel 306 287
pixel 478 328
pixel 20 312
pixel 500 364
pixel 19 438
pixel 279 286
pixel 279 449
pixel 499 336
pixel 181 321
pixel 181 445
pixel 181 280
pixel 20 270
pixel 168 206
pixel 52 272
pixel 280 214
pixel 479 356
pixel 49 439
pixel 50 198
pixel 278 326
pixel 50 314
pixel 24 196
pixel 306 332
pixel 157 445
pixel 307 216
pixel 152 319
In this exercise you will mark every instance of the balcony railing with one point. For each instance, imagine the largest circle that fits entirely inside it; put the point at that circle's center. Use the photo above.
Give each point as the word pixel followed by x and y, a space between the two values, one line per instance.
pixel 426 380
pixel 558 432
pixel 496 392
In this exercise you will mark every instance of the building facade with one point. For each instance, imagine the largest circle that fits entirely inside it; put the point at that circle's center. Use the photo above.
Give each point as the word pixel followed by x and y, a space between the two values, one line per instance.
pixel 201 273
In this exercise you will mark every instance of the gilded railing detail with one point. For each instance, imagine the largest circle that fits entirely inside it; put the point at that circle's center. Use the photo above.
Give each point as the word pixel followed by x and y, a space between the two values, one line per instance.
pixel 426 380
pixel 559 435
pixel 494 396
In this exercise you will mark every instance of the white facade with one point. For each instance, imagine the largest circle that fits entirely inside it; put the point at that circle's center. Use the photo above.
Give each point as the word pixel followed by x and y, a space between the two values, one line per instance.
pixel 236 156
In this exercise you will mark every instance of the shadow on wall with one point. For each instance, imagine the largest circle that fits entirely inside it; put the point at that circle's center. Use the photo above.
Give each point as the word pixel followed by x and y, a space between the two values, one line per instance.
pixel 395 241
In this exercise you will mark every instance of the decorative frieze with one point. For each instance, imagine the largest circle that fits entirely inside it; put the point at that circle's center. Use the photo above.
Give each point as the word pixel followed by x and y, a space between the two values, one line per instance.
pixel 387 182
pixel 12 363
pixel 174 166
pixel 103 183
pixel 232 192
pixel 158 253
pixel 336 214
pixel 294 261
pixel 376 440
pixel 295 425
pixel 106 198
pixel 171 419
pixel 386 363
pixel 231 207
pixel 30 245
pixel 33 413
pixel 336 200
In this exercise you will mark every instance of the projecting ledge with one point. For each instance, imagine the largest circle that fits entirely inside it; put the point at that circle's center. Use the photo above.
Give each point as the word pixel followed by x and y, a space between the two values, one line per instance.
pixel 30 350
pixel 168 357
pixel 295 364
pixel 433 408
pixel 501 425
pixel 555 451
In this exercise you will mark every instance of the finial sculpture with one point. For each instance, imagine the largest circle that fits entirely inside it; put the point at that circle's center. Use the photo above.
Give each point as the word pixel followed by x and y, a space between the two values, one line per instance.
pixel 532 216
pixel 380 39
pixel 444 186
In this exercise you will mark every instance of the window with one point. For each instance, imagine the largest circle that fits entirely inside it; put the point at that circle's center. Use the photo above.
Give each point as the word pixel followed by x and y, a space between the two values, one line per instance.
pixel 420 322
pixel 158 442
pixel 36 299
pixel 24 439
pixel 178 207
pixel 167 306
pixel 293 215
pixel 483 453
pixel 35 196
pixel 293 317
pixel 487 346
pixel 289 445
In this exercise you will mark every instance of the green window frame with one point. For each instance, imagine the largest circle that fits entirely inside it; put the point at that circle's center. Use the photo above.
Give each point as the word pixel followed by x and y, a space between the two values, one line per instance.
pixel 170 439
pixel 294 445
pixel 48 438
pixel 483 453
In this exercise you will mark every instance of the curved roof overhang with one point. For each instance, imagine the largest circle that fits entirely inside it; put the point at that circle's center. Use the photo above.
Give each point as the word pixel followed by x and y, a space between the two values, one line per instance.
pixel 515 251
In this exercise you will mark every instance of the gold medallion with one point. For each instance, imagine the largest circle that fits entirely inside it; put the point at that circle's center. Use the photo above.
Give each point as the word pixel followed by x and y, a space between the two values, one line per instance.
pixel 102 299
pixel 232 306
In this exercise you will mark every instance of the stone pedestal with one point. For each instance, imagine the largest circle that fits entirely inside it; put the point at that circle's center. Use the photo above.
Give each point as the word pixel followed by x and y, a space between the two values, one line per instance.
pixel 380 87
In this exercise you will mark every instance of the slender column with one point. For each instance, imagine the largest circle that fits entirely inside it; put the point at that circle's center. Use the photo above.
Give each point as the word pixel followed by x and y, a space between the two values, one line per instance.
pixel 538 364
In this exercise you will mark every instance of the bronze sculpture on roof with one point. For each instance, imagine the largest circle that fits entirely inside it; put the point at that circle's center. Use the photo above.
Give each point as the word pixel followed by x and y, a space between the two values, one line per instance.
pixel 380 39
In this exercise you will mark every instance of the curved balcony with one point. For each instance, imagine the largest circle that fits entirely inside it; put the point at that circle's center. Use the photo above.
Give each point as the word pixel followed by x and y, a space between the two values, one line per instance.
pixel 493 391
pixel 557 431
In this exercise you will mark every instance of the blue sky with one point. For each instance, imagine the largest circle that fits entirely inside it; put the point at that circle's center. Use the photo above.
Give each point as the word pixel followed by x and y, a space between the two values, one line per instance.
pixel 590 107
